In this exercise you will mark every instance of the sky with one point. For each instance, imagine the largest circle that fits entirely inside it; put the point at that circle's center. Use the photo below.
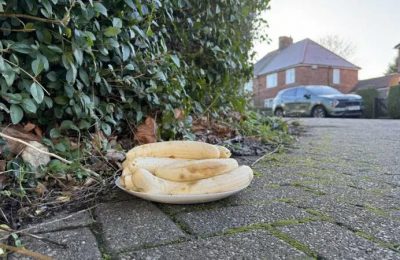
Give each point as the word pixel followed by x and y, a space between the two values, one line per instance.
pixel 373 26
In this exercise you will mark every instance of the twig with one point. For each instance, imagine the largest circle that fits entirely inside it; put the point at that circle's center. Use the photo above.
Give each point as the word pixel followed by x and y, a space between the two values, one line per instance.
pixel 26 252
pixel 50 222
pixel 27 73
pixel 48 153
pixel 30 17
pixel 9 230
pixel 266 155
pixel 35 148
pixel 17 30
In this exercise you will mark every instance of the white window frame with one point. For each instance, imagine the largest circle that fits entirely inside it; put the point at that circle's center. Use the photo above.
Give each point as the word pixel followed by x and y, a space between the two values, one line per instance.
pixel 336 76
pixel 268 102
pixel 290 76
pixel 272 80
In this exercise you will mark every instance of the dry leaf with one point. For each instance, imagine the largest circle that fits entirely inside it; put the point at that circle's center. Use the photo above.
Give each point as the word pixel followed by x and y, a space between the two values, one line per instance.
pixel 179 114
pixel 40 189
pixel 63 198
pixel 29 127
pixel 146 132
pixel 34 157
pixel 38 131
pixel 97 140
pixel 18 131
pixel 114 155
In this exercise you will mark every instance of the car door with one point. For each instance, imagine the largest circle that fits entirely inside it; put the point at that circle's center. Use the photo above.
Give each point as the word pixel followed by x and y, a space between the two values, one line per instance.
pixel 289 100
pixel 302 103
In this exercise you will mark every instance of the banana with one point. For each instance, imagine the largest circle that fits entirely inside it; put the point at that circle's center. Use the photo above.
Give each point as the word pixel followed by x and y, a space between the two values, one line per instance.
pixel 223 151
pixel 238 178
pixel 151 163
pixel 175 149
pixel 127 182
pixel 195 170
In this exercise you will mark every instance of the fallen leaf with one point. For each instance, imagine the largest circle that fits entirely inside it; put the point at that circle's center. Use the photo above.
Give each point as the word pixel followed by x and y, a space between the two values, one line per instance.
pixel 146 132
pixel 3 164
pixel 97 140
pixel 35 158
pixel 179 114
pixel 63 198
pixel 38 131
pixel 29 127
pixel 18 132
pixel 41 189
pixel 3 181
pixel 114 155
pixel 89 181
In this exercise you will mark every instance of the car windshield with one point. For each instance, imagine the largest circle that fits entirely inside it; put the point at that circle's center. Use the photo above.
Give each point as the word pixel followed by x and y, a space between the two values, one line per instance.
pixel 323 91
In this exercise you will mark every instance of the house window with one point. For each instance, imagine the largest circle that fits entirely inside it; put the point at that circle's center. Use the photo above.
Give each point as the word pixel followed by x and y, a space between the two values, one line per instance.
pixel 268 102
pixel 336 76
pixel 272 80
pixel 290 76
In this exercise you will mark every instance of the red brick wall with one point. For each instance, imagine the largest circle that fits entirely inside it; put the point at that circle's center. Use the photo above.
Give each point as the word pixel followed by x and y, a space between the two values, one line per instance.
pixel 305 75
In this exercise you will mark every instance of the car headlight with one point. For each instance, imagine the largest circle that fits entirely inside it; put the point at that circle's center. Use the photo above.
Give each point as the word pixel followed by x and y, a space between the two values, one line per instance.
pixel 334 103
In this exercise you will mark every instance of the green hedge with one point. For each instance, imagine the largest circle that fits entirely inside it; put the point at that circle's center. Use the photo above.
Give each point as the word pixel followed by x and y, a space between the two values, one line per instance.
pixel 368 96
pixel 79 65
pixel 394 102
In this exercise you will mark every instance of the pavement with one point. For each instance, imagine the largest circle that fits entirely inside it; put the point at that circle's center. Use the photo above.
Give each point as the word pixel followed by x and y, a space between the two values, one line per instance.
pixel 334 195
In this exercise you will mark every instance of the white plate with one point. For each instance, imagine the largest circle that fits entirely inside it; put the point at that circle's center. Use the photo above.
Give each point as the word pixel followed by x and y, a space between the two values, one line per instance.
pixel 180 199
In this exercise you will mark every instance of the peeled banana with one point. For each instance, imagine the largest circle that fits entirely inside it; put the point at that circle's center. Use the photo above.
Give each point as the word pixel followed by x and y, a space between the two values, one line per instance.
pixel 144 181
pixel 223 151
pixel 195 169
pixel 175 149
pixel 152 163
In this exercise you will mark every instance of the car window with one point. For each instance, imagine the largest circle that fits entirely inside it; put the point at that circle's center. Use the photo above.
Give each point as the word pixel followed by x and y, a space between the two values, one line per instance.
pixel 289 93
pixel 300 93
pixel 323 90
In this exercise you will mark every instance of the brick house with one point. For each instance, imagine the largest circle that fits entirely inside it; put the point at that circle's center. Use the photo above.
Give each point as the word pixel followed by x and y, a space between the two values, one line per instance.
pixel 301 63
pixel 381 84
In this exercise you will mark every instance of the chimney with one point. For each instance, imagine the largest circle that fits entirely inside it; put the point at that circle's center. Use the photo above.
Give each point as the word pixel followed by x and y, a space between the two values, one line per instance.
pixel 284 42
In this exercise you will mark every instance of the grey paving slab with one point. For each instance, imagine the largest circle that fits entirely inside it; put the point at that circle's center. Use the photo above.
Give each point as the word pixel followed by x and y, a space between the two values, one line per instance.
pixel 249 245
pixel 128 225
pixel 63 220
pixel 358 218
pixel 81 244
pixel 333 242
pixel 218 220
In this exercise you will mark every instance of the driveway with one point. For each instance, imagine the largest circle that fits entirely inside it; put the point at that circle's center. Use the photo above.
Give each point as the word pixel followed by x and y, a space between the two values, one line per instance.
pixel 334 195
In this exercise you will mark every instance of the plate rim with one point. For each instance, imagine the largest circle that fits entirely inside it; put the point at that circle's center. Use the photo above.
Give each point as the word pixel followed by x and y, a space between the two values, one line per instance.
pixel 117 183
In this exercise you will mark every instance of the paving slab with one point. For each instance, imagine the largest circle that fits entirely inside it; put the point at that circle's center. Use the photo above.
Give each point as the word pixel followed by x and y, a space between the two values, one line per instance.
pixel 358 218
pixel 219 220
pixel 129 225
pixel 333 242
pixel 63 220
pixel 81 244
pixel 248 245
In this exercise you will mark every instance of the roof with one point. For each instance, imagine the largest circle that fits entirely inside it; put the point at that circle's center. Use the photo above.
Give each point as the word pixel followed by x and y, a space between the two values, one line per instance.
pixel 305 52
pixel 378 83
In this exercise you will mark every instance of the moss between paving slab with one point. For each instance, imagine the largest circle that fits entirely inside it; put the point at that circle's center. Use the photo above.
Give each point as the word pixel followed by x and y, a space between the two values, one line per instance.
pixel 271 228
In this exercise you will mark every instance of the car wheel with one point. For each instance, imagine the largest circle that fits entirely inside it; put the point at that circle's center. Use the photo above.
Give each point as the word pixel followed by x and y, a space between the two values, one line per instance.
pixel 278 112
pixel 318 112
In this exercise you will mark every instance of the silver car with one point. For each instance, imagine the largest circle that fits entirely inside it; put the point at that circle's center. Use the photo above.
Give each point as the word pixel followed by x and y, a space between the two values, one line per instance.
pixel 316 101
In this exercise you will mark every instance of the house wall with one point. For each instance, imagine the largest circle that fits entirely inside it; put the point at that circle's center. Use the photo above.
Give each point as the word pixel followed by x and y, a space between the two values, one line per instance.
pixel 305 75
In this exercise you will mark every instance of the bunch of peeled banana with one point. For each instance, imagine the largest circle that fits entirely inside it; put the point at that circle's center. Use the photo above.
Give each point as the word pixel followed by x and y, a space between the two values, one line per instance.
pixel 183 167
